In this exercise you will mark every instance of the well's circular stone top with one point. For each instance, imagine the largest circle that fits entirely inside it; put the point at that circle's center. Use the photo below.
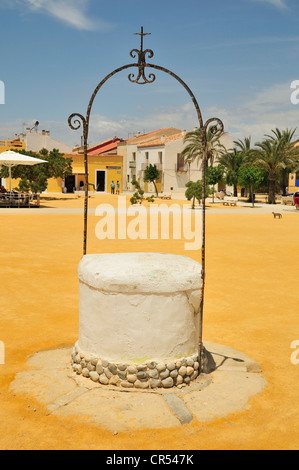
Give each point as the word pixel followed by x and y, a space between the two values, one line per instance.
pixel 140 272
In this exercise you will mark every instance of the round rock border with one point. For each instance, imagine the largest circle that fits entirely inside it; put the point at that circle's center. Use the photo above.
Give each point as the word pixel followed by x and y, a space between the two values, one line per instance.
pixel 148 375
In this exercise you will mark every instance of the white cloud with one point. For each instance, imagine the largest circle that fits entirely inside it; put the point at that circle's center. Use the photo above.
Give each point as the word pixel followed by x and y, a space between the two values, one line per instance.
pixel 269 109
pixel 271 98
pixel 276 3
pixel 71 12
pixel 255 117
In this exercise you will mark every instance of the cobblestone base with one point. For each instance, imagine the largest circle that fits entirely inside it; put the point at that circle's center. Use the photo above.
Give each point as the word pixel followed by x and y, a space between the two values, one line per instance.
pixel 149 375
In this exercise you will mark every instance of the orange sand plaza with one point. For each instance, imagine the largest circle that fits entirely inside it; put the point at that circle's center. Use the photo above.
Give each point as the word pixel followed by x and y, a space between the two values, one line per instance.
pixel 251 305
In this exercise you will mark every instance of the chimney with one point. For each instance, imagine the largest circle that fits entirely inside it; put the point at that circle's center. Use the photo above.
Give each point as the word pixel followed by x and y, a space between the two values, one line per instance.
pixel 163 138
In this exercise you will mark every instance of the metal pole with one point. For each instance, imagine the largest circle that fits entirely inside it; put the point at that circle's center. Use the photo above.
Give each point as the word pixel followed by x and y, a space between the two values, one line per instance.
pixel 10 195
pixel 189 164
pixel 86 192
pixel 203 256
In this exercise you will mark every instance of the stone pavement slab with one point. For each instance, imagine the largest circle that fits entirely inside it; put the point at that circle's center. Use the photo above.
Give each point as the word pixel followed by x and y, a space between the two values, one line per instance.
pixel 51 381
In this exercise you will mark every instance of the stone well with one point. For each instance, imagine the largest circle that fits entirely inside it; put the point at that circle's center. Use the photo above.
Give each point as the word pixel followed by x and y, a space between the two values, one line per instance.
pixel 139 319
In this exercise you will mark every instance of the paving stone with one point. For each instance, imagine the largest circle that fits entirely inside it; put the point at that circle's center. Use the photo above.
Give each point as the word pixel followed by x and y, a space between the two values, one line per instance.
pixel 178 407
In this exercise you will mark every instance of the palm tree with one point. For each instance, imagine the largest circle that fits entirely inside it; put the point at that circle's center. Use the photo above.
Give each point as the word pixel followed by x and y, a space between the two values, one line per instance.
pixel 291 151
pixel 194 149
pixel 275 154
pixel 286 134
pixel 232 162
pixel 244 146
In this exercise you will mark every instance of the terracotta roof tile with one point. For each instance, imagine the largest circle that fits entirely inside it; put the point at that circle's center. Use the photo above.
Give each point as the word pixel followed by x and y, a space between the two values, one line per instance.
pixel 142 138
pixel 158 142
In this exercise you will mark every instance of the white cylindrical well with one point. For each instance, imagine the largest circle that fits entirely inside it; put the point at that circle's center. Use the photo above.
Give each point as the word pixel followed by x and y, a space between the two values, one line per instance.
pixel 137 308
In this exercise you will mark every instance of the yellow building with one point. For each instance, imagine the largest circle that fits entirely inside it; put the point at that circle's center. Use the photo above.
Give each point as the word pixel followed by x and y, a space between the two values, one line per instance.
pixel 14 144
pixel 293 182
pixel 102 170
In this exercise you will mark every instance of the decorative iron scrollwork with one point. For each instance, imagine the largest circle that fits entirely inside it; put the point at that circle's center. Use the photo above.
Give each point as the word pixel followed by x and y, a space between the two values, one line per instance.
pixel 217 128
pixel 141 78
pixel 75 124
pixel 213 125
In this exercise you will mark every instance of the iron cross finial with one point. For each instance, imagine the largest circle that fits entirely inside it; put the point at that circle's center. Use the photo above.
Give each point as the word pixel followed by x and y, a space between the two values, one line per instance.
pixel 142 79
pixel 142 34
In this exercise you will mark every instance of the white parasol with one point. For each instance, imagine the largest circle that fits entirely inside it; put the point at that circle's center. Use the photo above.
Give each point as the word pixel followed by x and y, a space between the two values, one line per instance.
pixel 11 159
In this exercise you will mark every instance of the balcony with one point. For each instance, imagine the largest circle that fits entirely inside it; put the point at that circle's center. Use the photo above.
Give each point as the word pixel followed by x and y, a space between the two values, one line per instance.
pixel 9 144
pixel 132 164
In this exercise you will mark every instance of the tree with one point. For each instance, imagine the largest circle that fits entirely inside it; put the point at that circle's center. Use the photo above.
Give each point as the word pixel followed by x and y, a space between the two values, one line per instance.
pixel 151 174
pixel 138 196
pixel 194 150
pixel 291 152
pixel 35 178
pixel 214 175
pixel 244 147
pixel 251 176
pixel 232 162
pixel 274 154
pixel 194 191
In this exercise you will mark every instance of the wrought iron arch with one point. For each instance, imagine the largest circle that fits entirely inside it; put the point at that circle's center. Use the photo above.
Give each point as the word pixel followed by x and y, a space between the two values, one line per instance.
pixel 214 125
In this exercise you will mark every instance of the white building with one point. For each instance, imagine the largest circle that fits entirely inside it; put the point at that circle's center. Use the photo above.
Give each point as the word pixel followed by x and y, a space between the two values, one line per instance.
pixel 36 140
pixel 129 150
pixel 165 153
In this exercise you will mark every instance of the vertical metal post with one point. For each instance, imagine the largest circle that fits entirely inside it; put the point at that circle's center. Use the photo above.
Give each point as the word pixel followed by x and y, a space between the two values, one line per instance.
pixel 86 192
pixel 203 256
pixel 189 164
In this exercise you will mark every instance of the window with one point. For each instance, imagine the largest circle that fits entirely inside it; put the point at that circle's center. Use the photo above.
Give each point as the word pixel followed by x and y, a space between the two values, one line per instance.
pixel 180 163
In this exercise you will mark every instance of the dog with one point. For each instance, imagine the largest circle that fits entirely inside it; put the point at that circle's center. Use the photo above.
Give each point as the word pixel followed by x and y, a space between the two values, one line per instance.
pixel 277 214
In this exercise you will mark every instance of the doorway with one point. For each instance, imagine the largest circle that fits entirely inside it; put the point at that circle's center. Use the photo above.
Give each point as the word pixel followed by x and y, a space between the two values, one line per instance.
pixel 70 184
pixel 101 180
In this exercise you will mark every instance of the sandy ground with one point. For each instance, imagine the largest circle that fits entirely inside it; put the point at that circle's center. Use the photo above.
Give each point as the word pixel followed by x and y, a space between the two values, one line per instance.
pixel 251 305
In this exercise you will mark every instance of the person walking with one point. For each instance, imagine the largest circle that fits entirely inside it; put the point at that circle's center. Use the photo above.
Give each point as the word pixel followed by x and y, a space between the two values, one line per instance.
pixel 117 187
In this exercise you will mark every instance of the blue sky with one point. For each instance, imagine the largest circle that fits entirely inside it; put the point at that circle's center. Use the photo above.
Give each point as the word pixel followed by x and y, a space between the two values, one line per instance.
pixel 239 58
